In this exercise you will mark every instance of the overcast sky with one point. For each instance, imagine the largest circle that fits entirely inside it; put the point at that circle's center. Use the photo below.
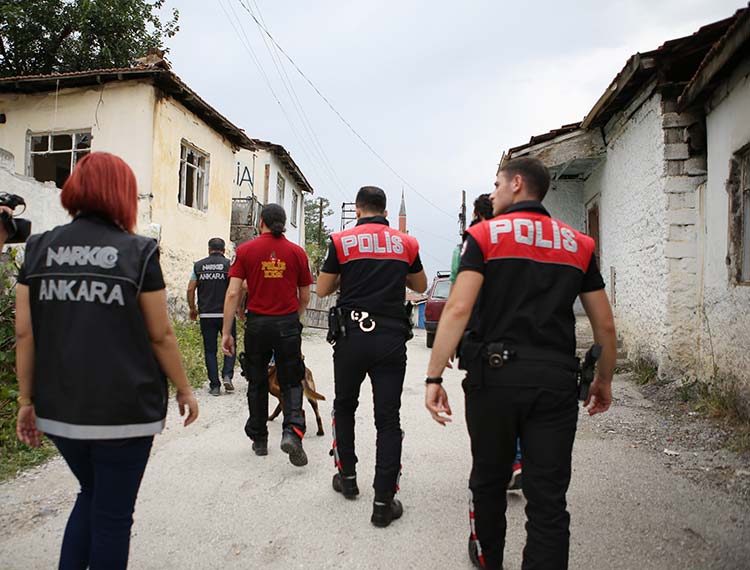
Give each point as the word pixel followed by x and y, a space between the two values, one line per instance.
pixel 438 89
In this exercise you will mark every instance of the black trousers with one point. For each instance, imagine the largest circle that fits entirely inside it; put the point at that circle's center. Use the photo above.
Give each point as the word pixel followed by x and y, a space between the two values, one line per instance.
pixel 381 354
pixel 280 336
pixel 210 331
pixel 545 420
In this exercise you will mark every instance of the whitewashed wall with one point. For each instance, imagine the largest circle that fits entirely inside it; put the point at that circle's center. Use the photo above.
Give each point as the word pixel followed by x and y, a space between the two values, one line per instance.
pixel 725 331
pixel 629 188
pixel 564 201
pixel 294 227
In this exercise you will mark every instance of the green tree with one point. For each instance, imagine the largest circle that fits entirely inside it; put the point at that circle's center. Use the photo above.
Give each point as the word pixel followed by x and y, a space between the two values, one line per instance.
pixel 47 36
pixel 316 231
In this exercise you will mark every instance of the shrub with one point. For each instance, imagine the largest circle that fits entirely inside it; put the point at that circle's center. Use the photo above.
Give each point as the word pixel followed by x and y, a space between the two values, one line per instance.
pixel 14 455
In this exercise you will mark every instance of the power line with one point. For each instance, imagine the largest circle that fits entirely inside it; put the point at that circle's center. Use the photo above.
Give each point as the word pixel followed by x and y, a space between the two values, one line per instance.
pixel 296 103
pixel 248 48
pixel 341 117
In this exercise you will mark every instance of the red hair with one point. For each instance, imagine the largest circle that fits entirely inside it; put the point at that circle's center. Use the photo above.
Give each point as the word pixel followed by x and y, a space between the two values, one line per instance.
pixel 102 183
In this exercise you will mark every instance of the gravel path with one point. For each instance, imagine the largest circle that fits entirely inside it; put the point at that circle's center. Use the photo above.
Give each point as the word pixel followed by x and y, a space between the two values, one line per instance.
pixel 207 502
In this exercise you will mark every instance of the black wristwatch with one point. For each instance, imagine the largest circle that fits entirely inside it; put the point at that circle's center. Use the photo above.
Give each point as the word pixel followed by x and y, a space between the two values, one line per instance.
pixel 438 380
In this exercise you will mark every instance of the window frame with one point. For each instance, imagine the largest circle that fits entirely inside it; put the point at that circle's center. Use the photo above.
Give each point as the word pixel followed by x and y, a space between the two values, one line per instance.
pixel 738 230
pixel 294 208
pixel 280 189
pixel 200 195
pixel 73 150
pixel 743 255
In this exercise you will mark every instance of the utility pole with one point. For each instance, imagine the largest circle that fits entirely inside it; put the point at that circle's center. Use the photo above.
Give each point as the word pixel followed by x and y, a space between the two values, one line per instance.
pixel 462 215
pixel 348 214
pixel 320 223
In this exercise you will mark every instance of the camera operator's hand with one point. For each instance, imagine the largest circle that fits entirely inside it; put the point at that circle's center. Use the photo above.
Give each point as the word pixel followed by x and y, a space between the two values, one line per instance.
pixel 3 233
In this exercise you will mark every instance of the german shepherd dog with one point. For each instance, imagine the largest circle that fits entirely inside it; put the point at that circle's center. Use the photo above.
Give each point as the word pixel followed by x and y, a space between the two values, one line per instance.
pixel 308 387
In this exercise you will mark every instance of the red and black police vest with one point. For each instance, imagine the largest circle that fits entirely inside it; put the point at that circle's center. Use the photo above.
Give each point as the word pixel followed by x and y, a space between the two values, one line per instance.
pixel 534 268
pixel 374 260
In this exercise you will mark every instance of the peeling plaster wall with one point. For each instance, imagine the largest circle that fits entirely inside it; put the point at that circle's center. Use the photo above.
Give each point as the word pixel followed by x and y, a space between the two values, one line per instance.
pixel 725 331
pixel 119 115
pixel 43 207
pixel 629 188
pixel 564 201
pixel 185 231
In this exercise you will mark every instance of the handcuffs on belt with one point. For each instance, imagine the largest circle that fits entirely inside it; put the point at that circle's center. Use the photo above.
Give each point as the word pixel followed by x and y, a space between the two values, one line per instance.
pixel 366 323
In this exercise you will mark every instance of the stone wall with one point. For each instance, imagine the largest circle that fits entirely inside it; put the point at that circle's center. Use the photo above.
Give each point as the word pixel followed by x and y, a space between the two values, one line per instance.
pixel 629 189
pixel 684 174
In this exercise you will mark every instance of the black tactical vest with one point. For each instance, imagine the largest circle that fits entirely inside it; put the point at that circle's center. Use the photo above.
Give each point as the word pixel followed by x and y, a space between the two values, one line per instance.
pixel 211 273
pixel 95 373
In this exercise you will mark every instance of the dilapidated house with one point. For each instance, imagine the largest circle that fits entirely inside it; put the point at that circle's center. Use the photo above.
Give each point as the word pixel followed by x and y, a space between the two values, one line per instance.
pixel 191 163
pixel 659 173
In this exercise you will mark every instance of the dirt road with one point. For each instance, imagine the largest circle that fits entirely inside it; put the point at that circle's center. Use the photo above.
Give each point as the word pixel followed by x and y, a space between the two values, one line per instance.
pixel 207 502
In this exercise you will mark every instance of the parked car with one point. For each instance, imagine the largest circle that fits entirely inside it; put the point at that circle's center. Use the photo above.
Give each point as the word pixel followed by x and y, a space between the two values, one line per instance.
pixel 436 299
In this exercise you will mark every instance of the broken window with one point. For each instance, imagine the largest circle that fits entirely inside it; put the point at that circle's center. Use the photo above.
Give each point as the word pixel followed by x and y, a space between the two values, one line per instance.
pixel 52 156
pixel 738 188
pixel 293 215
pixel 280 185
pixel 193 177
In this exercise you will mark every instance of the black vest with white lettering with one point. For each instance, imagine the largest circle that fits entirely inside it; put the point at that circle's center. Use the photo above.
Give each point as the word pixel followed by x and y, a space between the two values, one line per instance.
pixel 211 274
pixel 95 372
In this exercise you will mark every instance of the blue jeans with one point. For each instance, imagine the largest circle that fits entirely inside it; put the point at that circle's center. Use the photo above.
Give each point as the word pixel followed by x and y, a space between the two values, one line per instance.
pixel 518 451
pixel 97 535
pixel 210 330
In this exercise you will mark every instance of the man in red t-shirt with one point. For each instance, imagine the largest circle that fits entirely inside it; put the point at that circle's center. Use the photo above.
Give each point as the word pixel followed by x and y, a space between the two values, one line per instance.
pixel 278 291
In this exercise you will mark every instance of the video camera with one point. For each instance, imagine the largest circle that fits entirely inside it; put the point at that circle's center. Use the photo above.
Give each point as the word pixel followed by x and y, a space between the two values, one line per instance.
pixel 18 229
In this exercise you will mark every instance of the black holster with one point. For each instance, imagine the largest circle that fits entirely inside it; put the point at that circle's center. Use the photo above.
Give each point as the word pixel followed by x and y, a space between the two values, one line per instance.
pixel 410 330
pixel 336 325
pixel 470 359
pixel 587 371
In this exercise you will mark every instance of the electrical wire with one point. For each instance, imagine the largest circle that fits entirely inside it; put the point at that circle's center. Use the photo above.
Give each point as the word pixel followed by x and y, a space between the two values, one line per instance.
pixel 248 48
pixel 343 120
pixel 289 87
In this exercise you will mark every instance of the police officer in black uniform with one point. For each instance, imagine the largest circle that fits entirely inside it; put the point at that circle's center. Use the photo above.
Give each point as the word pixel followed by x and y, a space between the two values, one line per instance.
pixel 373 264
pixel 210 279
pixel 521 371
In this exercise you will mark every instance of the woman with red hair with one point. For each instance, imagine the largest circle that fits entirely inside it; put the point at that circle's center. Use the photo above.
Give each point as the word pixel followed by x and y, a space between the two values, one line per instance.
pixel 94 348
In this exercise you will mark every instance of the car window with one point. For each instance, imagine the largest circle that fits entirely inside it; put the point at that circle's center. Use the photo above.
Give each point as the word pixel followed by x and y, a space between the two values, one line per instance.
pixel 442 288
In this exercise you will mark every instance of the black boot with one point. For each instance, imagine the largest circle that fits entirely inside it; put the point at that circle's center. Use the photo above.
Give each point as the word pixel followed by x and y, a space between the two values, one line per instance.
pixel 294 425
pixel 346 485
pixel 385 509
pixel 260 447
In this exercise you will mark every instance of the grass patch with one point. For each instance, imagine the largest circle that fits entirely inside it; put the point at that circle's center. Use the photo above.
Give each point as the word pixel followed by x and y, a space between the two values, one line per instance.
pixel 190 342
pixel 14 455
pixel 721 400
pixel 644 372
